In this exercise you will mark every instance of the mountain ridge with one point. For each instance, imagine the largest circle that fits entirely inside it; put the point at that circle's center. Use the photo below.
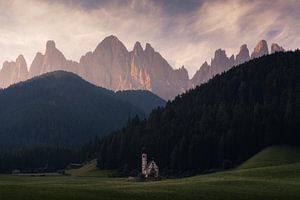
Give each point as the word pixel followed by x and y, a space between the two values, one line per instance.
pixel 111 65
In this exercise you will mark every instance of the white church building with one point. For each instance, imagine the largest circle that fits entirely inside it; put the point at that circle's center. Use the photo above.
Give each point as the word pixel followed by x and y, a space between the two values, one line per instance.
pixel 149 169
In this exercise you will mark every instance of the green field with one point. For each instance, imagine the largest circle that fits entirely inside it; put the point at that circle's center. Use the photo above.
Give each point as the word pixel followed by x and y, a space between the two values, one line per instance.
pixel 273 156
pixel 90 170
pixel 280 181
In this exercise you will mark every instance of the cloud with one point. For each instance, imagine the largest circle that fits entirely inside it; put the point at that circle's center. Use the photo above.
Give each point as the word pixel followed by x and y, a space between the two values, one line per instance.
pixel 228 24
pixel 185 32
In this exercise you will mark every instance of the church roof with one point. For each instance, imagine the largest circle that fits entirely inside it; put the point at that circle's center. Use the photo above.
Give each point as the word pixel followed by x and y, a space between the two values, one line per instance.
pixel 152 163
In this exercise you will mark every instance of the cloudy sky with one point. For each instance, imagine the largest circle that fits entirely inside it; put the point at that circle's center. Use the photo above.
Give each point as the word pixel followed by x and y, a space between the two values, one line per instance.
pixel 185 32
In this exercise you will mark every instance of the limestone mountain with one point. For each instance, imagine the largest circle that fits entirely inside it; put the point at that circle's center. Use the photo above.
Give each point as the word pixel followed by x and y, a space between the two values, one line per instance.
pixel 52 60
pixel 151 71
pixel 260 49
pixel 202 75
pixel 243 55
pixel 276 48
pixel 221 63
pixel 106 65
pixel 111 65
pixel 13 72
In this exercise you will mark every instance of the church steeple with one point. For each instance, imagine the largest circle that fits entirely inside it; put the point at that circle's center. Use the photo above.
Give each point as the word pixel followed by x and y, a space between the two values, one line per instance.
pixel 144 163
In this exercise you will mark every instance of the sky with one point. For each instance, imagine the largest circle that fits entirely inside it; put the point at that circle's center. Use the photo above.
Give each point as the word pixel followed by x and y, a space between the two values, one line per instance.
pixel 185 32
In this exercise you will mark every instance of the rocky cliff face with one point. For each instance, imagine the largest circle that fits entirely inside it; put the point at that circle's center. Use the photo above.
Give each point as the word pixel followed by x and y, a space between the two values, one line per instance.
pixel 221 62
pixel 113 67
pixel 202 75
pixel 52 60
pixel 243 55
pixel 13 72
pixel 151 71
pixel 107 65
pixel 260 49
pixel 276 48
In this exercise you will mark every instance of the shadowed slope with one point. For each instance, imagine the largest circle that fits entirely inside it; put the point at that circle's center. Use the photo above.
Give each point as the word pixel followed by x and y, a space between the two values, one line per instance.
pixel 272 156
pixel 59 109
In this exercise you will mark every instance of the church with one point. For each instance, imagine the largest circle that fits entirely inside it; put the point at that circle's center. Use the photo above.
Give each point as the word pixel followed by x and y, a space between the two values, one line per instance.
pixel 149 170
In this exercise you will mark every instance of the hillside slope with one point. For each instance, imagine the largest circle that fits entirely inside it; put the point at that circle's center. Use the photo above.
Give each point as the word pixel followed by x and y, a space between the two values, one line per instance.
pixel 60 109
pixel 273 156
pixel 218 125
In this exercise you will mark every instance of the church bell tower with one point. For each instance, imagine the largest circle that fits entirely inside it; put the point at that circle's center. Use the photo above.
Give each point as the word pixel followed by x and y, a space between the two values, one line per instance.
pixel 144 163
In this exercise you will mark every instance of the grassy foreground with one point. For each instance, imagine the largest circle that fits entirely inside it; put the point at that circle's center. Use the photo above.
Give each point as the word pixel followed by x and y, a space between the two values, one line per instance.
pixel 268 182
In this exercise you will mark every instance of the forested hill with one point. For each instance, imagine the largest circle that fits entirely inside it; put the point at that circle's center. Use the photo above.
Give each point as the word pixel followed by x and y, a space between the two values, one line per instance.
pixel 62 110
pixel 217 125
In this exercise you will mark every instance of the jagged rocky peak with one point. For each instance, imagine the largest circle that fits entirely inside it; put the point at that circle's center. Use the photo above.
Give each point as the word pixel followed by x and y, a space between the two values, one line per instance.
pixel 220 59
pixel 111 38
pixel 110 44
pixel 202 74
pixel 50 45
pixel 276 48
pixel 38 55
pixel 20 61
pixel 88 55
pixel 110 41
pixel 220 53
pixel 7 65
pixel 38 59
pixel 244 47
pixel 36 65
pixel 182 73
pixel 21 69
pixel 138 47
pixel 182 68
pixel 149 48
pixel 52 60
pixel 52 55
pixel 243 55
pixel 205 64
pixel 260 49
pixel 13 72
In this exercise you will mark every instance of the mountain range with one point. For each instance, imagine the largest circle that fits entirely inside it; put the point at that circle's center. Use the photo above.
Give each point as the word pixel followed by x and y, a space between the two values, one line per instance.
pixel 112 66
